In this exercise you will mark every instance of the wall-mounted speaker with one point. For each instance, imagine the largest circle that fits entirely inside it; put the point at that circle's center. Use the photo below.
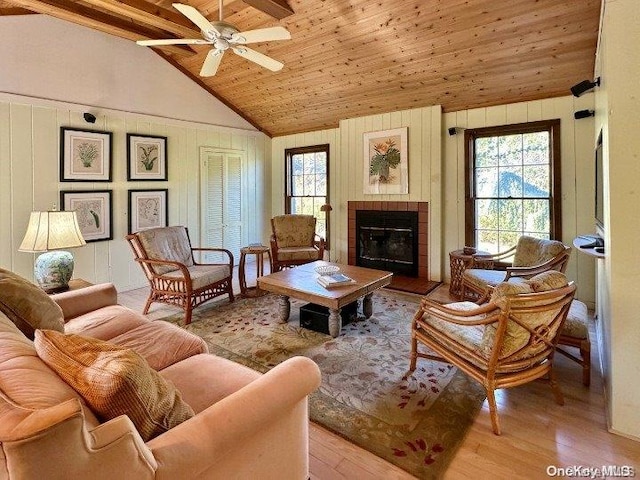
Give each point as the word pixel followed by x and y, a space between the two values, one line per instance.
pixel 453 131
pixel 584 86
pixel 583 114
pixel 89 118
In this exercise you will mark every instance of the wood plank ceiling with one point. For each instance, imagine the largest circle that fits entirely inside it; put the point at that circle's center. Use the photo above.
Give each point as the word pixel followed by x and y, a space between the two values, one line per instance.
pixel 349 58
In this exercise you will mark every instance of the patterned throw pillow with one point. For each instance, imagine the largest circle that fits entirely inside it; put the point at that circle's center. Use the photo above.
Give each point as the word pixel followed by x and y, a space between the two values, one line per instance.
pixel 28 306
pixel 550 280
pixel 114 381
pixel 515 336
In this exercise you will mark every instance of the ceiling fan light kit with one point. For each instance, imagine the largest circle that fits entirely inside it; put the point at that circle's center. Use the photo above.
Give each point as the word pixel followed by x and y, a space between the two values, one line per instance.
pixel 224 36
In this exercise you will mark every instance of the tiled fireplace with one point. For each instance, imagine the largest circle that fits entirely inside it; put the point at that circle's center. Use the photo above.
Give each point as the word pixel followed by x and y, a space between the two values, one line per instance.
pixel 389 236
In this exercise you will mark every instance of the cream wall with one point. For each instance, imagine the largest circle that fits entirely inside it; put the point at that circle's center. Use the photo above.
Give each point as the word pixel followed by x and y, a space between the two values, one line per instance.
pixel 29 152
pixel 617 107
pixel 346 171
pixel 577 173
pixel 48 58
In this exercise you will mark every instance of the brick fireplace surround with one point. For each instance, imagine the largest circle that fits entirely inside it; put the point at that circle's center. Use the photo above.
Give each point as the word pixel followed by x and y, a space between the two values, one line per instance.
pixel 423 228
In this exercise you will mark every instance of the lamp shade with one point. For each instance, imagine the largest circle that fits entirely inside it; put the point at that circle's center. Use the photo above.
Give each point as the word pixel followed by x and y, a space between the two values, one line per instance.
pixel 52 231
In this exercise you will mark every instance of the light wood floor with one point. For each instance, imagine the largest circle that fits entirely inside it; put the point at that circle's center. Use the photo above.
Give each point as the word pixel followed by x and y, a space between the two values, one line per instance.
pixel 536 431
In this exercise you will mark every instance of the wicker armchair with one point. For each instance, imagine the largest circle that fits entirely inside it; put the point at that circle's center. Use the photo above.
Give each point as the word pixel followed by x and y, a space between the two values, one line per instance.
pixel 506 342
pixel 294 241
pixel 531 256
pixel 167 259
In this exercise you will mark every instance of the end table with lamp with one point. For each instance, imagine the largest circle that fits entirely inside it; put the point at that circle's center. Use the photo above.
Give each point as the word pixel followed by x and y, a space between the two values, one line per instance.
pixel 50 232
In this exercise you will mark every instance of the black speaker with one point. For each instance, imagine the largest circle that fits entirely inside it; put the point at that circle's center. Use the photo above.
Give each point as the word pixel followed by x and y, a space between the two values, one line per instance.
pixel 584 86
pixel 453 131
pixel 89 118
pixel 583 114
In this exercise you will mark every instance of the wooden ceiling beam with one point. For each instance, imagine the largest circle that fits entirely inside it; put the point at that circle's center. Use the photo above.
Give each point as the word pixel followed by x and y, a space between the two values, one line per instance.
pixel 81 15
pixel 278 9
pixel 150 14
pixel 6 11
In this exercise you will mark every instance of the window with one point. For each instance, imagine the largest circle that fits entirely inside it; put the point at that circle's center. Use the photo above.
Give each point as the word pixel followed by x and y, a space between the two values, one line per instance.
pixel 512 184
pixel 307 184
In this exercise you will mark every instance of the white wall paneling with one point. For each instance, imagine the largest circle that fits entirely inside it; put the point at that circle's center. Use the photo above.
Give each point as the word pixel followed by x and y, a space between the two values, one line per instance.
pixel 29 156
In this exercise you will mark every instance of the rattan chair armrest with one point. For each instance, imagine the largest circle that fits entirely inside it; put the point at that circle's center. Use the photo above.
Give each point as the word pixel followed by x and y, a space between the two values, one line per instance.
pixel 213 249
pixel 451 315
pixel 530 271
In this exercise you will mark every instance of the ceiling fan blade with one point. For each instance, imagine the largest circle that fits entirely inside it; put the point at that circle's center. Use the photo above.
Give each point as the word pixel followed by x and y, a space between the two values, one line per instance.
pixel 173 41
pixel 259 58
pixel 262 35
pixel 195 16
pixel 211 63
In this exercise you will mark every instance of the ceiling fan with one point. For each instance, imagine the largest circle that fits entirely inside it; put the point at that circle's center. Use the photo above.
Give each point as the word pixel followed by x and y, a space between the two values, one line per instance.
pixel 224 36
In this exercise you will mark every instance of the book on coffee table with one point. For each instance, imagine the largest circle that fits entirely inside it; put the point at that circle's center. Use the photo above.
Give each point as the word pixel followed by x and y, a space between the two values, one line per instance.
pixel 334 280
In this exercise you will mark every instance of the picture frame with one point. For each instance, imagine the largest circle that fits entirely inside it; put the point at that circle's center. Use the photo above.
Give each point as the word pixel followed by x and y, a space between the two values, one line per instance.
pixel 85 155
pixel 148 209
pixel 146 157
pixel 94 209
pixel 386 162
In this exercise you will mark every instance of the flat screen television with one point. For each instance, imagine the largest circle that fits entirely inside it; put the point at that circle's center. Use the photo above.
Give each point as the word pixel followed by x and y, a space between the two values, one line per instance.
pixel 599 210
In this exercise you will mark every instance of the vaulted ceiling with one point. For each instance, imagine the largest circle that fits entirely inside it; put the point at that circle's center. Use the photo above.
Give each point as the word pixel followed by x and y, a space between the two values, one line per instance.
pixel 349 58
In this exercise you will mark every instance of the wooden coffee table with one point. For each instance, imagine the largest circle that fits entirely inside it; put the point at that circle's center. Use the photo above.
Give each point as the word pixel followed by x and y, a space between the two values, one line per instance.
pixel 300 282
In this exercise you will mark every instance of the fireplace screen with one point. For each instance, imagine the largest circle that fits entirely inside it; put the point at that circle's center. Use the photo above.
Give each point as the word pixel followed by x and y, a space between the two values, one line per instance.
pixel 388 241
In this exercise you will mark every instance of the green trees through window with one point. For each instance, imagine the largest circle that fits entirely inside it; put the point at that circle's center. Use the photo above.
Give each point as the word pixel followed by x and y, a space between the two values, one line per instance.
pixel 307 183
pixel 512 184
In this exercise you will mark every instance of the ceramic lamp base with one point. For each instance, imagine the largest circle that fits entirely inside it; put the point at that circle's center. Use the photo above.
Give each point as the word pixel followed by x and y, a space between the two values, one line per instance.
pixel 53 270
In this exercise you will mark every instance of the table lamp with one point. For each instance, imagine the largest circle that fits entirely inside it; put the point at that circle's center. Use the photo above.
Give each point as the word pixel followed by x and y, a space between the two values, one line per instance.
pixel 49 232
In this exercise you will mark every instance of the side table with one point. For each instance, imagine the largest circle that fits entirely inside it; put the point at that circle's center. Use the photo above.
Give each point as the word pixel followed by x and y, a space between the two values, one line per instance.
pixel 459 262
pixel 258 251
pixel 74 284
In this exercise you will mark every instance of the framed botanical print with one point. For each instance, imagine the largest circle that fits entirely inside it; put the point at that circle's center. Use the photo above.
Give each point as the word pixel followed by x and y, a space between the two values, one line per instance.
pixel 94 211
pixel 148 209
pixel 85 155
pixel 146 157
pixel 386 165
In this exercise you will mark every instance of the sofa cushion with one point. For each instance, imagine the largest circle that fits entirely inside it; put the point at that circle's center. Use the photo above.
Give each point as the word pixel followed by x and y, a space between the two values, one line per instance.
pixel 28 306
pixel 298 253
pixel 105 323
pixel 161 343
pixel 114 381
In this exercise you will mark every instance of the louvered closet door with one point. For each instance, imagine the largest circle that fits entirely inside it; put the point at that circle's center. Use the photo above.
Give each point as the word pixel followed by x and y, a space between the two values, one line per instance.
pixel 221 196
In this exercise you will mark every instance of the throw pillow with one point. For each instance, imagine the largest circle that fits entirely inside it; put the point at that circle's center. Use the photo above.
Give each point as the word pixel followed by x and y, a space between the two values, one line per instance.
pixel 114 381
pixel 550 280
pixel 515 336
pixel 28 306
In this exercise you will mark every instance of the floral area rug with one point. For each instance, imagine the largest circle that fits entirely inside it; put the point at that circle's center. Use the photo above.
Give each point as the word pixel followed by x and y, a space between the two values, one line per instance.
pixel 415 421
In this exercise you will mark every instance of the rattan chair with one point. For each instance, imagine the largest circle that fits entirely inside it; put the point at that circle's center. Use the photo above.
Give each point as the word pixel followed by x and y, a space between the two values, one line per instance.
pixel 294 241
pixel 504 343
pixel 531 256
pixel 167 259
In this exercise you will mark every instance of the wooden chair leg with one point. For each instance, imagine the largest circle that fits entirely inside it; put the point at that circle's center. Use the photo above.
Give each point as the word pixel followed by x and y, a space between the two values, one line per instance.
pixel 188 309
pixel 585 354
pixel 414 353
pixel 493 410
pixel 148 304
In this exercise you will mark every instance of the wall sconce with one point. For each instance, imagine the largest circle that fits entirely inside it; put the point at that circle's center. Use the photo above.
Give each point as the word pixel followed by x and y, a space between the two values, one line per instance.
pixel 584 86
pixel 89 118
pixel 583 114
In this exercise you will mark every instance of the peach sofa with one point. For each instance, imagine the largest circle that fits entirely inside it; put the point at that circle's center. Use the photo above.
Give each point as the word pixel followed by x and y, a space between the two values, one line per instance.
pixel 246 425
